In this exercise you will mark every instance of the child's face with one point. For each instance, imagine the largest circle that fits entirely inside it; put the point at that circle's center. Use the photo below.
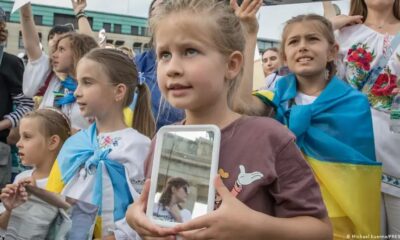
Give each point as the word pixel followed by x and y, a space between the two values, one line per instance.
pixel 32 145
pixel 307 50
pixel 63 57
pixel 190 71
pixel 95 93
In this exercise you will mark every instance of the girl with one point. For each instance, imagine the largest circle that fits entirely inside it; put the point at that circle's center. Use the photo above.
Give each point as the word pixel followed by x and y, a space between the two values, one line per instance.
pixel 172 197
pixel 43 132
pixel 103 164
pixel 362 47
pixel 199 46
pixel 69 48
pixel 321 110
pixel 40 77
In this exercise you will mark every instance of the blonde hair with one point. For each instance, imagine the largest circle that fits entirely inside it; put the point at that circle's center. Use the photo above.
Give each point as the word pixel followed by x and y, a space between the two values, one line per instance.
pixel 52 122
pixel 225 29
pixel 80 45
pixel 323 25
pixel 359 7
pixel 121 70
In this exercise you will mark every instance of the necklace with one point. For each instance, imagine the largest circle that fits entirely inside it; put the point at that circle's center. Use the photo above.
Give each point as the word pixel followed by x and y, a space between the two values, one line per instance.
pixel 375 25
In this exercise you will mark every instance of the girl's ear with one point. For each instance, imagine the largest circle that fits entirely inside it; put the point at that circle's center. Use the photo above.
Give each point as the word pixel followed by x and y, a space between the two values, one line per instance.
pixel 120 91
pixel 333 53
pixel 53 142
pixel 235 63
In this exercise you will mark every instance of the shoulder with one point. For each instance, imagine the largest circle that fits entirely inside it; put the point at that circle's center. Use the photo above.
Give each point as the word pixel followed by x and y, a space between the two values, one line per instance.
pixel 22 175
pixel 10 59
pixel 264 129
pixel 135 137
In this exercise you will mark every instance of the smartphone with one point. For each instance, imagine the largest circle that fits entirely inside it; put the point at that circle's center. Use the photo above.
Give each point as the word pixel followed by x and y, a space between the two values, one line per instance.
pixel 185 165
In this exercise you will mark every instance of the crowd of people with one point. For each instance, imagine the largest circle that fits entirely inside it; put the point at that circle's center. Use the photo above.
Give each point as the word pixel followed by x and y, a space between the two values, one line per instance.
pixel 317 133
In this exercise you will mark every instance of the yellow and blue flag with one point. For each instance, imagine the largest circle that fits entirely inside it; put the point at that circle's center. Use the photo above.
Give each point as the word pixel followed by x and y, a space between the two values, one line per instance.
pixel 336 137
pixel 82 151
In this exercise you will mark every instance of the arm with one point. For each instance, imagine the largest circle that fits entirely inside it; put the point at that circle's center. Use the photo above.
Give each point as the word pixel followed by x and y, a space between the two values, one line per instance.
pixel 245 102
pixel 22 103
pixel 83 23
pixel 4 218
pixel 227 224
pixel 29 33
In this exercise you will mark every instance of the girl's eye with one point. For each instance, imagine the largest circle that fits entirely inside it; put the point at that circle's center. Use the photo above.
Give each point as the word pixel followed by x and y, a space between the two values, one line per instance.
pixel 191 52
pixel 291 42
pixel 165 56
pixel 87 82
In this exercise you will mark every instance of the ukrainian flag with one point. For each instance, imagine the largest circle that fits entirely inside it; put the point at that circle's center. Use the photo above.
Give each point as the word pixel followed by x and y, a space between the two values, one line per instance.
pixel 336 136
pixel 82 150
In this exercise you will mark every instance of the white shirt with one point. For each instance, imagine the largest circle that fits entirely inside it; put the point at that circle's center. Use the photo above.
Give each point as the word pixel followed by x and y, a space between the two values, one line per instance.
pixel 304 99
pixel 40 183
pixel 386 143
pixel 130 148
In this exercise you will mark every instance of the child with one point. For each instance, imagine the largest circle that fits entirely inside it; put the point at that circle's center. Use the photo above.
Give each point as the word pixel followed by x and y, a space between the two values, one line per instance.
pixel 43 132
pixel 199 46
pixel 103 164
pixel 332 124
pixel 69 48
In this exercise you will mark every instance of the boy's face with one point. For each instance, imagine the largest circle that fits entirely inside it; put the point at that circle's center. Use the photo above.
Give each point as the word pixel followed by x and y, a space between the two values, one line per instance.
pixel 3 32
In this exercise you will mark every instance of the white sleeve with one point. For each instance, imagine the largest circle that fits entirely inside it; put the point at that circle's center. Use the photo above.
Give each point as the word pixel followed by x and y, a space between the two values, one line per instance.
pixel 124 232
pixel 35 75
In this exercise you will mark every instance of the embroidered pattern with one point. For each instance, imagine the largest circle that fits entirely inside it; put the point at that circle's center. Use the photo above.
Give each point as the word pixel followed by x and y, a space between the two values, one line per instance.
pixel 359 58
pixel 391 180
pixel 359 64
pixel 108 142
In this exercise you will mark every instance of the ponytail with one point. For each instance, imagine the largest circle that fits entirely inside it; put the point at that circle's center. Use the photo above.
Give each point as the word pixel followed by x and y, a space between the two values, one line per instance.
pixel 143 120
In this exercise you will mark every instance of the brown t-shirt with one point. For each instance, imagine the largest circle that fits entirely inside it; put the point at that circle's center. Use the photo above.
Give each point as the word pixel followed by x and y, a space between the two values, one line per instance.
pixel 262 166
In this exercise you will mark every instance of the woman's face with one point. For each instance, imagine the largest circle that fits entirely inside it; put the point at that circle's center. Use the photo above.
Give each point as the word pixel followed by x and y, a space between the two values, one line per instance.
pixel 181 194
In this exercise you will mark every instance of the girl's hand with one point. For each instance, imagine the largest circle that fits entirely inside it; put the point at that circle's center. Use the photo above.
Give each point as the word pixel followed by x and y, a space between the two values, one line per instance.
pixel 78 5
pixel 246 12
pixel 137 219
pixel 13 195
pixel 341 21
pixel 227 222
pixel 175 212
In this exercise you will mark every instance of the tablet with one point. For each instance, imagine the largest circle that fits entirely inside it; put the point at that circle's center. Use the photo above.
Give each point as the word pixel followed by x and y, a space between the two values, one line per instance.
pixel 184 168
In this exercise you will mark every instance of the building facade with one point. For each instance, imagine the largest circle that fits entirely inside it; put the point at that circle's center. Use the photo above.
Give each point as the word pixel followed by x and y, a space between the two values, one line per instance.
pixel 122 30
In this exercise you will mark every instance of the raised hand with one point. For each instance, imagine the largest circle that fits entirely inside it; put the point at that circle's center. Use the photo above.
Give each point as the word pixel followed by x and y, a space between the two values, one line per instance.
pixel 246 12
pixel 78 5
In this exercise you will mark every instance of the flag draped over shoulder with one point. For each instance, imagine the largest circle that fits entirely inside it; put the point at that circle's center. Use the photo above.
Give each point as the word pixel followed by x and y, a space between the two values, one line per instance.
pixel 82 150
pixel 335 135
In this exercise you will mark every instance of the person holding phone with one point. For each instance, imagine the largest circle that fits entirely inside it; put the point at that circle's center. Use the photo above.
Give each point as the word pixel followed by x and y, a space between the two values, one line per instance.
pixel 173 196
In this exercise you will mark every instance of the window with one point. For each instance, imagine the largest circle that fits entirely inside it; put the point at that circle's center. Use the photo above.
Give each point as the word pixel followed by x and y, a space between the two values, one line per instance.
pixel 146 47
pixel 119 43
pixel 143 31
pixel 135 30
pixel 137 47
pixel 107 27
pixel 61 19
pixel 21 41
pixel 38 19
pixel 117 28
pixel 7 16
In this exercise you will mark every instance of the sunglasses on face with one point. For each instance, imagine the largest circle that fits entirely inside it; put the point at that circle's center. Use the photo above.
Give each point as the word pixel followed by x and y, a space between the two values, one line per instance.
pixel 186 189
